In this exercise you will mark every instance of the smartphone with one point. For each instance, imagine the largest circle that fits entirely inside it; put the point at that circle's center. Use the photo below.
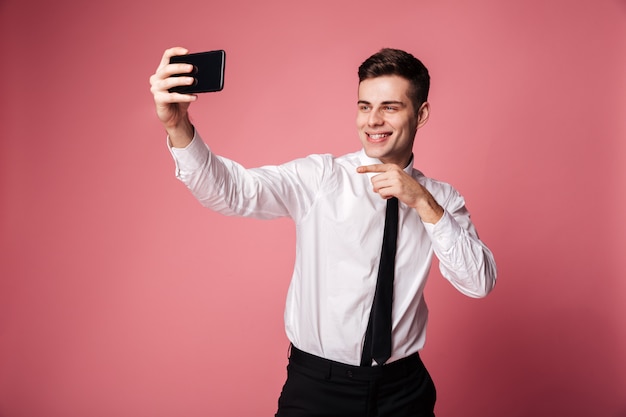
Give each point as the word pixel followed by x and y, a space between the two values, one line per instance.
pixel 208 72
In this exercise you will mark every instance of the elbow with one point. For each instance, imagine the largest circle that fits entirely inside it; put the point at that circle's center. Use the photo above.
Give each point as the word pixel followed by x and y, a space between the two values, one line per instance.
pixel 486 281
pixel 478 284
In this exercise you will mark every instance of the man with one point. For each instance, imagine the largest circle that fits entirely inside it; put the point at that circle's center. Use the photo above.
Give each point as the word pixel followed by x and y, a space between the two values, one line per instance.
pixel 354 350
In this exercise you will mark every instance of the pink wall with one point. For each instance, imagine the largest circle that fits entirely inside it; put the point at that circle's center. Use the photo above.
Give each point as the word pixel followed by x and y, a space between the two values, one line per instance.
pixel 115 283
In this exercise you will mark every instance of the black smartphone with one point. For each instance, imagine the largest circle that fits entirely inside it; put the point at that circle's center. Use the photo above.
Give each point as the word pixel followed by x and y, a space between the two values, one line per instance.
pixel 208 72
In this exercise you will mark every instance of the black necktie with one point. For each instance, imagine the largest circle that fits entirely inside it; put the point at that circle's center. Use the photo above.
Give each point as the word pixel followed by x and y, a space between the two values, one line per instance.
pixel 377 343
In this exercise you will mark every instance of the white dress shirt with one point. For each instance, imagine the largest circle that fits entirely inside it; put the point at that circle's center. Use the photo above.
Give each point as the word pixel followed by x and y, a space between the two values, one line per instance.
pixel 339 222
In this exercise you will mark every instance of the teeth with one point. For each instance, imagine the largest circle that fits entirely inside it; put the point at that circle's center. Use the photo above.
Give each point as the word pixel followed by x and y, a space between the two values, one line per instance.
pixel 379 135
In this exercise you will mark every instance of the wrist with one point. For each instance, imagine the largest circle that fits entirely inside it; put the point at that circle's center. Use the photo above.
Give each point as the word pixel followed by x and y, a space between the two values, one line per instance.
pixel 429 210
pixel 181 134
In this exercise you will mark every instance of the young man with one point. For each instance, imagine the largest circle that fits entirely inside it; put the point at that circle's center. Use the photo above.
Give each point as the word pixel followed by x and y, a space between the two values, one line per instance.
pixel 354 349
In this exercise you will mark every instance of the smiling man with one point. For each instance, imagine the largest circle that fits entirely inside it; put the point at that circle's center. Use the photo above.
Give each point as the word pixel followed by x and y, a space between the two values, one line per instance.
pixel 368 225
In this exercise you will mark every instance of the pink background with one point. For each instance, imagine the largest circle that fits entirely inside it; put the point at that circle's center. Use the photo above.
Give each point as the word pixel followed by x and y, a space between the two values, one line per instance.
pixel 115 283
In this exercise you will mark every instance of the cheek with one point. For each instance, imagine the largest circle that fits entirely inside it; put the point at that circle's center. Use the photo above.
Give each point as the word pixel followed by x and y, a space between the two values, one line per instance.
pixel 361 121
pixel 405 124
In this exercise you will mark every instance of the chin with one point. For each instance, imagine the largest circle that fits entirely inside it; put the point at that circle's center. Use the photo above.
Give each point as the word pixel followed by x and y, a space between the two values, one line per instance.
pixel 374 153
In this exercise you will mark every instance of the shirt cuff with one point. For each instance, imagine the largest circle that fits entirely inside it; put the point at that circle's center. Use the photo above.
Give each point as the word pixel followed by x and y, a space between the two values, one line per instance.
pixel 444 233
pixel 191 157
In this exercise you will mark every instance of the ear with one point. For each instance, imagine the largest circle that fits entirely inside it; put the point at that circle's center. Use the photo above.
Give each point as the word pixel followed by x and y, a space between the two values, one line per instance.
pixel 422 114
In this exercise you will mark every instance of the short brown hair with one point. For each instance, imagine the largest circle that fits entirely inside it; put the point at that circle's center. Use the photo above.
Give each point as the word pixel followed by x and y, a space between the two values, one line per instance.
pixel 397 62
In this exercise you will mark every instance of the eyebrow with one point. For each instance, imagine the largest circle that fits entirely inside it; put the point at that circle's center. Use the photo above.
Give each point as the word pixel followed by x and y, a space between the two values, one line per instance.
pixel 384 103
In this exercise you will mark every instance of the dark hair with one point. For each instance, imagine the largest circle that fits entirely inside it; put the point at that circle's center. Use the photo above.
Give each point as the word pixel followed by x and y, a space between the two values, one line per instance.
pixel 396 62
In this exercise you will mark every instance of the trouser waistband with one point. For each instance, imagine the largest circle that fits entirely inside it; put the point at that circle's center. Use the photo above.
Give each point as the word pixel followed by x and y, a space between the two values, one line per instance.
pixel 331 369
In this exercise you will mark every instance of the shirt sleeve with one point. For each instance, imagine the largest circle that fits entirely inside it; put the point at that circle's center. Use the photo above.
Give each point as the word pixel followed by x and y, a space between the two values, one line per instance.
pixel 464 259
pixel 267 192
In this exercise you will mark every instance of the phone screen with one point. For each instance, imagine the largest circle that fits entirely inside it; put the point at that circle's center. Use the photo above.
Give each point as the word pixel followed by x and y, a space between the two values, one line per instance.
pixel 208 72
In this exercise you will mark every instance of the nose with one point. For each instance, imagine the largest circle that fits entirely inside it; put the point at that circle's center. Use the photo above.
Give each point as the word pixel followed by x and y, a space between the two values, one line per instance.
pixel 375 119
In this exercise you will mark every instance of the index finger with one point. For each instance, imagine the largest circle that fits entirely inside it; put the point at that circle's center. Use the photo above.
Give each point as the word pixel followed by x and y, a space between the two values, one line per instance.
pixel 373 168
pixel 177 50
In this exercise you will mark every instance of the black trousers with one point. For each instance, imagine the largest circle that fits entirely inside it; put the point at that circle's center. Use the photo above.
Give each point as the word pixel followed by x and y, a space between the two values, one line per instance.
pixel 318 387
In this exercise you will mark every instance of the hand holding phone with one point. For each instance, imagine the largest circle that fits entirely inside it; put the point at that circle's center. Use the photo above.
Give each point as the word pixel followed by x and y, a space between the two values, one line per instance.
pixel 208 72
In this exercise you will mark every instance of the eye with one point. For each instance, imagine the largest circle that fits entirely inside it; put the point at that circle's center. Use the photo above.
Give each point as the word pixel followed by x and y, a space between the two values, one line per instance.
pixel 364 107
pixel 390 109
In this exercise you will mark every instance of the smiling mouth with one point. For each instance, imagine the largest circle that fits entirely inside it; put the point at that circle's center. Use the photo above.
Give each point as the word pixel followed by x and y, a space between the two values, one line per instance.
pixel 378 136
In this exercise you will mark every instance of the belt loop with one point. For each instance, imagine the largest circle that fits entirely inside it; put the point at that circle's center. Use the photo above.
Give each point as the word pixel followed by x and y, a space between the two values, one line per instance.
pixel 329 371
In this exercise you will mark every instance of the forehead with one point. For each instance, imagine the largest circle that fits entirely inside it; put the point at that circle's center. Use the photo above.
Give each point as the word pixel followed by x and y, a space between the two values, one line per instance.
pixel 385 88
